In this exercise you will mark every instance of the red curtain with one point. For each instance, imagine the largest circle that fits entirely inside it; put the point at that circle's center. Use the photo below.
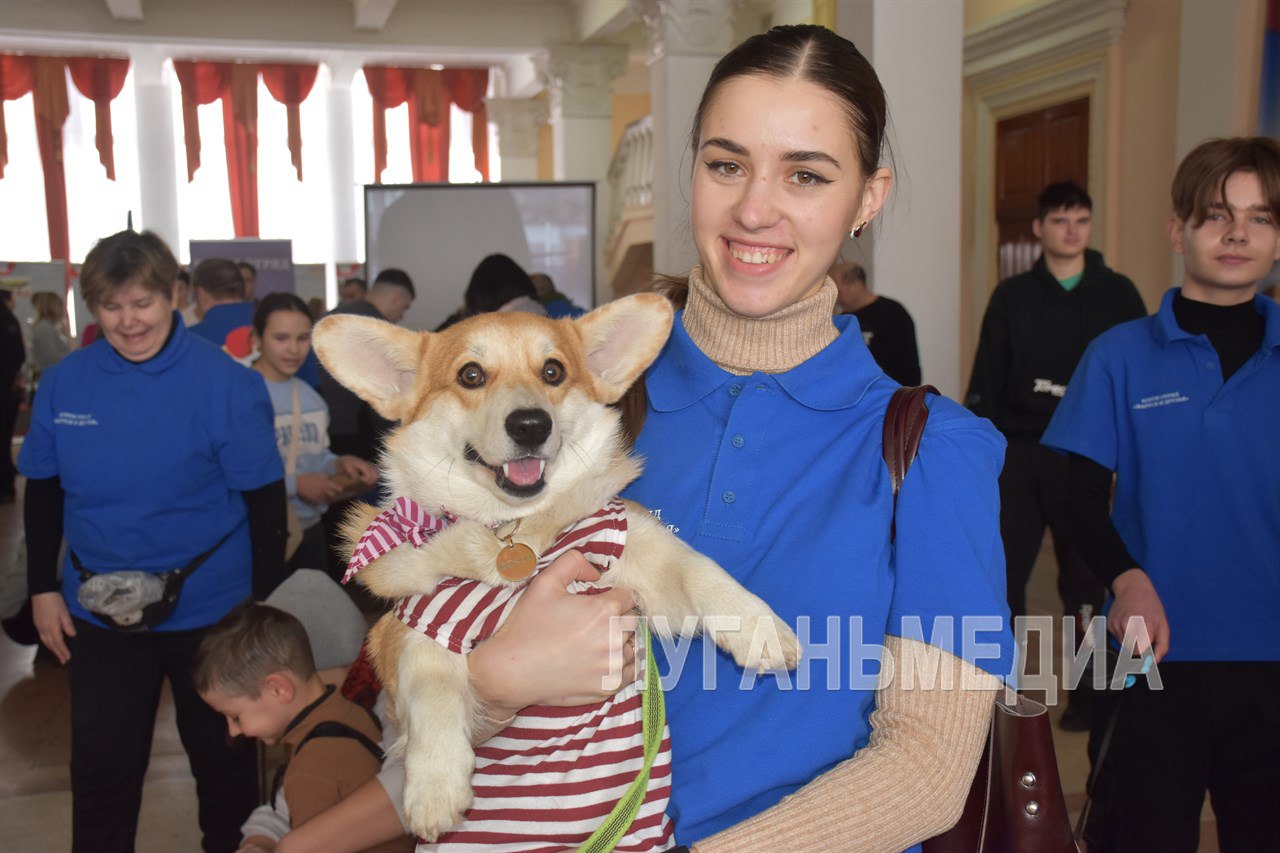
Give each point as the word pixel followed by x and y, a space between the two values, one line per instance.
pixel 428 98
pixel 240 129
pixel 237 85
pixel 100 80
pixel 467 87
pixel 389 87
pixel 290 85
pixel 46 76
pixel 51 114
pixel 429 127
pixel 17 76
pixel 201 83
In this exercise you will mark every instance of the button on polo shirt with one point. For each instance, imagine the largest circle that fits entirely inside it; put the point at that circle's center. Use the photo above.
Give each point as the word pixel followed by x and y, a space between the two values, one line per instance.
pixel 153 457
pixel 1197 498
pixel 780 479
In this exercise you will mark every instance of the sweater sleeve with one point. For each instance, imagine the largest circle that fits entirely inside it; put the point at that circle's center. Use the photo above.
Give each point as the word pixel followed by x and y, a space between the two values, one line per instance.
pixel 42 523
pixel 924 748
pixel 990 362
pixel 1088 510
pixel 268 532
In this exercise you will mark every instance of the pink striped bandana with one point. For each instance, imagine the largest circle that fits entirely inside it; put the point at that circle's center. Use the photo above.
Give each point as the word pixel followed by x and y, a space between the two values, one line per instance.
pixel 405 522
pixel 460 613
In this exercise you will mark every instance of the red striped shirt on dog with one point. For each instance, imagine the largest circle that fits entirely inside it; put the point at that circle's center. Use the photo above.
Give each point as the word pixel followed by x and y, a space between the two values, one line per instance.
pixel 550 778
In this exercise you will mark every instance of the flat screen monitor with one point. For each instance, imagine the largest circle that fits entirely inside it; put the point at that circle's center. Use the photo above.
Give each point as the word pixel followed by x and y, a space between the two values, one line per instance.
pixel 438 233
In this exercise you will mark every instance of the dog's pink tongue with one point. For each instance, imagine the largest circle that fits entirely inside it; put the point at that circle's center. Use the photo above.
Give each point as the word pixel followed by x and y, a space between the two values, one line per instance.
pixel 524 472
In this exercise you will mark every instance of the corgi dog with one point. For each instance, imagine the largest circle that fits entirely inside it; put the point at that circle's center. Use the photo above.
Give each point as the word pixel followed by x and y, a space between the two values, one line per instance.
pixel 507 436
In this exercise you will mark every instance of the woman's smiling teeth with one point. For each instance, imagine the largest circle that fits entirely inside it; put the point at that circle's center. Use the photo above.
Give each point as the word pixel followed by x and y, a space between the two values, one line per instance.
pixel 756 254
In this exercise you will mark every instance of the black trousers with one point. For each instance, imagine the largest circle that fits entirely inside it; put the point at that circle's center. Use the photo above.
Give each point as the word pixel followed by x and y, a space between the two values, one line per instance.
pixel 1214 727
pixel 10 402
pixel 1031 498
pixel 312 551
pixel 115 692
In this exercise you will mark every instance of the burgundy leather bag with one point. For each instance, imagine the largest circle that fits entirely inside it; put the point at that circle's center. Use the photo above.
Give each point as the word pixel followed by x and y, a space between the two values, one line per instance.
pixel 1015 804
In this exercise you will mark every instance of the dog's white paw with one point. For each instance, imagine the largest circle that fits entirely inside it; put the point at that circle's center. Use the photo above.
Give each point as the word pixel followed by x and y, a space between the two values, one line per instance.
pixel 782 651
pixel 436 795
pixel 764 644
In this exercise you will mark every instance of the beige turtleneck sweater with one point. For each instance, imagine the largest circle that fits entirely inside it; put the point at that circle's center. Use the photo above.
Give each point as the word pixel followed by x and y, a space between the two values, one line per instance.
pixel 910 782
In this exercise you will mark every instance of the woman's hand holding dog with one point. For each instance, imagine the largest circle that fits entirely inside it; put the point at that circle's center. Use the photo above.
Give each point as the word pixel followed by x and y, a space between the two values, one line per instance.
pixel 557 648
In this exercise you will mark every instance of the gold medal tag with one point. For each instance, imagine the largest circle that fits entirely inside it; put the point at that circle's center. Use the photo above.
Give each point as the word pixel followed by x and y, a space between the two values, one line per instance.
pixel 516 561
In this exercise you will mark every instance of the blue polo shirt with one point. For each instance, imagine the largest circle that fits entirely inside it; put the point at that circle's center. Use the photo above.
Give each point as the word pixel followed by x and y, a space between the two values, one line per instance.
pixel 1197 460
pixel 780 478
pixel 153 457
pixel 221 320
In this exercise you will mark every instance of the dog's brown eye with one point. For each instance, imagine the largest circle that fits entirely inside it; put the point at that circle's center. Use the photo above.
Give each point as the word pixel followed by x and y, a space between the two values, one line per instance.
pixel 552 372
pixel 471 375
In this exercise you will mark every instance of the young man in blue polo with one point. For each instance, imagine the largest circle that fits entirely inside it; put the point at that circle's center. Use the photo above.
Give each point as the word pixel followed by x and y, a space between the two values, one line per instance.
pixel 1184 408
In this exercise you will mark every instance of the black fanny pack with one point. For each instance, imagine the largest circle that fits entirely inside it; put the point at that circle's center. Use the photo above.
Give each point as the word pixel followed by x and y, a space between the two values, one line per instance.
pixel 134 601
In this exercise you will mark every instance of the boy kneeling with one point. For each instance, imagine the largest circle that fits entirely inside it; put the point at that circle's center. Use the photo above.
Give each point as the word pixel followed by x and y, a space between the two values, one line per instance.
pixel 255 667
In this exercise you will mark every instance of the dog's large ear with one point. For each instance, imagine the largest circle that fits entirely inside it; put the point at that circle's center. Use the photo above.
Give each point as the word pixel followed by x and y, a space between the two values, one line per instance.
pixel 622 338
pixel 374 359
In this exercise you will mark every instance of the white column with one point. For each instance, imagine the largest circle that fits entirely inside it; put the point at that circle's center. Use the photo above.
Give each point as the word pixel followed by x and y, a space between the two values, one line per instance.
pixel 686 37
pixel 919 59
pixel 342 169
pixel 581 81
pixel 518 121
pixel 157 146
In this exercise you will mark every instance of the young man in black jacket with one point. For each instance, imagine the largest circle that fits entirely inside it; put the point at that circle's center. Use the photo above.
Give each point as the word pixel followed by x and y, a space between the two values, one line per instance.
pixel 1035 330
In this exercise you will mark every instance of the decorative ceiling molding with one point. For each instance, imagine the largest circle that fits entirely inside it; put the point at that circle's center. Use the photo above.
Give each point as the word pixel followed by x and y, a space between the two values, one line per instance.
pixel 1039 35
pixel 595 20
pixel 372 14
pixel 125 10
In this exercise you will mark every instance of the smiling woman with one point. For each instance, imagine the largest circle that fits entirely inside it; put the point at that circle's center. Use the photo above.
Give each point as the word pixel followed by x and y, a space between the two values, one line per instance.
pixel 762 433
pixel 774 194
pixel 762 423
pixel 153 453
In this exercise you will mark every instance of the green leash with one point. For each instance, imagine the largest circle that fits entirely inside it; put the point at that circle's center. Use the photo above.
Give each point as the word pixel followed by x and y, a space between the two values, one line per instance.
pixel 654 712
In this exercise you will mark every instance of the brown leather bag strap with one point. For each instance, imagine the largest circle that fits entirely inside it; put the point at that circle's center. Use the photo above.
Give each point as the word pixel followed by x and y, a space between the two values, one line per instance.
pixel 904 421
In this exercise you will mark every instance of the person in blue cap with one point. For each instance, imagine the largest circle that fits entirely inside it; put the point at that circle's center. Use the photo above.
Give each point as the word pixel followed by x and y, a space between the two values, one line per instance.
pixel 1183 407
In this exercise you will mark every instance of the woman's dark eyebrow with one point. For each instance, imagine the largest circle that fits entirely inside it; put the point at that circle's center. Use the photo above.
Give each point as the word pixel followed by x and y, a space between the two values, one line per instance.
pixel 790 156
pixel 727 144
pixel 810 157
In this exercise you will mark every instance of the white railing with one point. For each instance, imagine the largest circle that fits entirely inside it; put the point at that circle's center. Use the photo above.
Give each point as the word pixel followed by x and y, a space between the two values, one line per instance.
pixel 631 172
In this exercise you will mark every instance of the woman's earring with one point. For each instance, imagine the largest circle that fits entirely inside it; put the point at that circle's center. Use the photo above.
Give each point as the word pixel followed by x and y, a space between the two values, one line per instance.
pixel 857 230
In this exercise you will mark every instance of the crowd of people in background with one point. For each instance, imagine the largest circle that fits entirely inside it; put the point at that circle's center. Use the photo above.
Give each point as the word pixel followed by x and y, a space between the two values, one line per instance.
pixel 1144 443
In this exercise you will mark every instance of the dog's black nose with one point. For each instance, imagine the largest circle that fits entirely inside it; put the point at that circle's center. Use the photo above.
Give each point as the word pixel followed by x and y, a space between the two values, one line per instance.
pixel 529 428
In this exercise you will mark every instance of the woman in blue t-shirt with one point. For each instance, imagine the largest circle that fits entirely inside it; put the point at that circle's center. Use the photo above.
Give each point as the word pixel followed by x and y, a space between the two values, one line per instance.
pixel 152 452
pixel 762 441
pixel 762 426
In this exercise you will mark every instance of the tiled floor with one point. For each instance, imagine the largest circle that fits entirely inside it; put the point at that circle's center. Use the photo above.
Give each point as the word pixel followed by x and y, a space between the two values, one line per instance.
pixel 35 801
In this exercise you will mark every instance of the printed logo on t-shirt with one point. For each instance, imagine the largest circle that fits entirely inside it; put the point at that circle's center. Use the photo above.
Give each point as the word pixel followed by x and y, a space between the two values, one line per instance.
pixel 1048 386
pixel 1157 400
pixel 311 432
pixel 657 514
pixel 75 419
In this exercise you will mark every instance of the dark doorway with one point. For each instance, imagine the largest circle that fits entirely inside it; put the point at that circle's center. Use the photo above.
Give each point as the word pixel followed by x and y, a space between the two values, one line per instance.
pixel 1033 150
